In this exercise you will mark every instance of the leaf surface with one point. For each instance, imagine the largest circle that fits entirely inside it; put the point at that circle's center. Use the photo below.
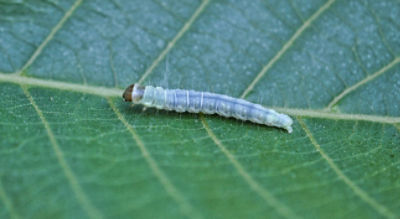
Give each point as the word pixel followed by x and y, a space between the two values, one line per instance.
pixel 70 147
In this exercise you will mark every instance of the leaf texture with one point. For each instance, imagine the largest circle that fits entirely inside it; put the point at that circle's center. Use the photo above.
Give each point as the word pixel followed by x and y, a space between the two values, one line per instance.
pixel 71 148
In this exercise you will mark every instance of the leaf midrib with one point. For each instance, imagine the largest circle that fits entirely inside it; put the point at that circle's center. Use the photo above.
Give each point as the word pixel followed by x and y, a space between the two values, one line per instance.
pixel 113 92
pixel 117 92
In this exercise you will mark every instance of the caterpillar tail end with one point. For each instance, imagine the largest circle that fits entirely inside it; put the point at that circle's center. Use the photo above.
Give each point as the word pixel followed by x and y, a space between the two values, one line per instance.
pixel 286 122
pixel 289 129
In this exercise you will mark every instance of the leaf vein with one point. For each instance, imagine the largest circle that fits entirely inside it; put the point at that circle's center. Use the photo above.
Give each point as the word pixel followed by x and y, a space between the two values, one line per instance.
pixel 397 126
pixel 76 188
pixel 7 202
pixel 356 189
pixel 369 78
pixel 286 46
pixel 165 182
pixel 173 42
pixel 254 185
pixel 116 92
pixel 52 33
pixel 380 31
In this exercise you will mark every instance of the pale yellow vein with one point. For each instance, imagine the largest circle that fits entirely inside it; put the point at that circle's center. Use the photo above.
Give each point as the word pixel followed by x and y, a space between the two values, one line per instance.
pixel 55 29
pixel 397 126
pixel 337 116
pixel 7 203
pixel 356 189
pixel 254 185
pixel 362 82
pixel 165 182
pixel 115 92
pixel 76 188
pixel 172 43
pixel 286 46
pixel 95 90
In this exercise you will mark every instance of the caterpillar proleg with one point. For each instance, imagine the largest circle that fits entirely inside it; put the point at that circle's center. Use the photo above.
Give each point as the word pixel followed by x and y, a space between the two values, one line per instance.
pixel 205 102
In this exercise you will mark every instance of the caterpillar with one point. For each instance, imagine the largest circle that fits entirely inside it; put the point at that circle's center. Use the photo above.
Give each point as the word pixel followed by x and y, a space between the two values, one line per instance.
pixel 207 103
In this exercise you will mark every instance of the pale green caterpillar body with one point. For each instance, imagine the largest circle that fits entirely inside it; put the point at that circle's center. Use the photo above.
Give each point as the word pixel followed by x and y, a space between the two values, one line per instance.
pixel 205 102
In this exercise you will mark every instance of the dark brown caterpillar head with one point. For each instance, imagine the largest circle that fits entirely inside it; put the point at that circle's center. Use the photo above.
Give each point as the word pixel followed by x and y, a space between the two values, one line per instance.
pixel 133 93
pixel 127 95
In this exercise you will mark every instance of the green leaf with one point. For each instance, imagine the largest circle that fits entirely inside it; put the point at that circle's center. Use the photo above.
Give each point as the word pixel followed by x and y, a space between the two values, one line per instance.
pixel 71 148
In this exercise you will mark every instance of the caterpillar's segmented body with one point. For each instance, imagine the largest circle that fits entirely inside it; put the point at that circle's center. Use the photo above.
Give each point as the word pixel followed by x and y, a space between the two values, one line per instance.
pixel 205 102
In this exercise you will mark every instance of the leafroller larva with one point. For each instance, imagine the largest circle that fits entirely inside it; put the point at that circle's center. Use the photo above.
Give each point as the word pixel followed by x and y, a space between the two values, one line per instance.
pixel 205 102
